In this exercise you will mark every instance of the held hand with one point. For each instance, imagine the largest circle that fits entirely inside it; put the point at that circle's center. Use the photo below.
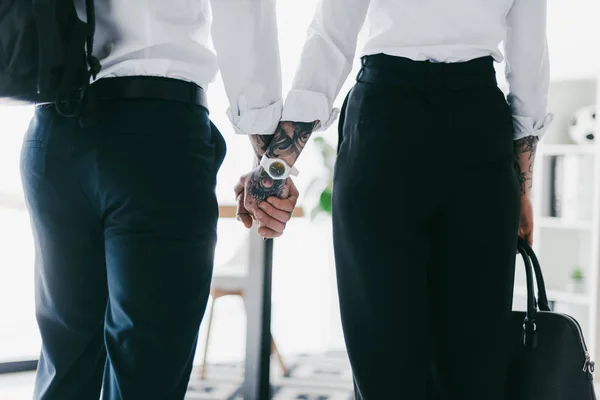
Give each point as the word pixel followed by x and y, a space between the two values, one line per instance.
pixel 247 202
pixel 278 209
pixel 243 215
pixel 526 220
pixel 268 201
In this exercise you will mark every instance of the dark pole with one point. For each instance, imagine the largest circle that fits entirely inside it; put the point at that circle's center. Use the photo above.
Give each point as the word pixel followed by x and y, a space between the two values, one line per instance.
pixel 258 306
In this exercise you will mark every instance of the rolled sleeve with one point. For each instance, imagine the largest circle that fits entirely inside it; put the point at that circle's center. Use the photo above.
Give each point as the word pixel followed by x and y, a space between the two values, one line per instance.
pixel 257 121
pixel 527 126
pixel 249 62
pixel 307 106
pixel 527 67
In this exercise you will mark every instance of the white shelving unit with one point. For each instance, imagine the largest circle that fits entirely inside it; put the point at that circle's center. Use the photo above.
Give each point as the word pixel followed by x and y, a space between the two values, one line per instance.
pixel 563 242
pixel 566 149
pixel 559 223
pixel 557 296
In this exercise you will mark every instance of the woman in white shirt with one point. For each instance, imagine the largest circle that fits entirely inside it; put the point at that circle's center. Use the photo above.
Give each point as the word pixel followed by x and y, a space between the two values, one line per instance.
pixel 427 202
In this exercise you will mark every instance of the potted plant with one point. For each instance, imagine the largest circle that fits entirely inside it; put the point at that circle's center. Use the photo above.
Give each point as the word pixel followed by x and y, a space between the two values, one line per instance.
pixel 577 283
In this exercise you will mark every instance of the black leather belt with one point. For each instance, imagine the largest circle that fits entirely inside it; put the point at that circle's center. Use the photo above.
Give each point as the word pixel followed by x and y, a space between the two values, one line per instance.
pixel 148 87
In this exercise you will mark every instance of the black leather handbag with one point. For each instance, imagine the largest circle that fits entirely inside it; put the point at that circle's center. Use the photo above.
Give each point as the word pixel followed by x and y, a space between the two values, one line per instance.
pixel 550 359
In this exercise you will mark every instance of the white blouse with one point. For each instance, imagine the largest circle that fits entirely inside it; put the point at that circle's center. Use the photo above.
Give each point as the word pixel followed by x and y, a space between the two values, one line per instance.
pixel 445 31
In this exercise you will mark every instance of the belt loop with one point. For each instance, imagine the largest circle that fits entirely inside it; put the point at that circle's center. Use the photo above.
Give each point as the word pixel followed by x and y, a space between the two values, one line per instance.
pixel 194 96
pixel 360 74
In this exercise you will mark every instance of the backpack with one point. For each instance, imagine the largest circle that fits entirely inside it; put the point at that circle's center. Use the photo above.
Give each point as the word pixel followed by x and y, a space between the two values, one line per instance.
pixel 46 53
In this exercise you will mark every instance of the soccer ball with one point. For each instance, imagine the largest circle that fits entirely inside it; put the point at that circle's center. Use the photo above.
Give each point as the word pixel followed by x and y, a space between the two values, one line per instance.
pixel 583 128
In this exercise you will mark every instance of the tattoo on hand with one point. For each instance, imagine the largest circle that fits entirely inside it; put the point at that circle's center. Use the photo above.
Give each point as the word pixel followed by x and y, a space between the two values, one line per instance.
pixel 290 138
pixel 263 186
pixel 526 146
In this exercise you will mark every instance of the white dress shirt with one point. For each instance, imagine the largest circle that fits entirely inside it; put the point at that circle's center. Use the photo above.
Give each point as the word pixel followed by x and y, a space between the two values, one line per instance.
pixel 445 31
pixel 170 38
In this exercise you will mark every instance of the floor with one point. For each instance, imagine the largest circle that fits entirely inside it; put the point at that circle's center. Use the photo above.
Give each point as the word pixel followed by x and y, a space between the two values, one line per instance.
pixel 325 376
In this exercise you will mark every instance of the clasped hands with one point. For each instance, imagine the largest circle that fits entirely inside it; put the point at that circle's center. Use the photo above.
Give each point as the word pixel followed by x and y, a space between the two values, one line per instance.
pixel 267 201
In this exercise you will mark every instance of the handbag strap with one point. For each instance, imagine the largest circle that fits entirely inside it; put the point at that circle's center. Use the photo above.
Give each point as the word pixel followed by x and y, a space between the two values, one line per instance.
pixel 531 303
pixel 93 62
pixel 82 34
pixel 542 298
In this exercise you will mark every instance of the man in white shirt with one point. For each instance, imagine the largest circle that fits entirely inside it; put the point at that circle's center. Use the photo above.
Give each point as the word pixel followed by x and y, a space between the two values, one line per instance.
pixel 427 202
pixel 123 209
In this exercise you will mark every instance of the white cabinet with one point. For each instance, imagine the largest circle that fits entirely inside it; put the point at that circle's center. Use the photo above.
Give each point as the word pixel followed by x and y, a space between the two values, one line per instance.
pixel 568 238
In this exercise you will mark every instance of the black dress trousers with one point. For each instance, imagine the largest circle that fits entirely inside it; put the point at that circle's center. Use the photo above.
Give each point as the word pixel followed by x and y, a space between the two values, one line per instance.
pixel 425 214
pixel 124 216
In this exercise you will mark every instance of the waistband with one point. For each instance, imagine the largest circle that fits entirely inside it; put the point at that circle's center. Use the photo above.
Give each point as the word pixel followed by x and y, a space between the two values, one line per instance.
pixel 144 88
pixel 149 88
pixel 381 68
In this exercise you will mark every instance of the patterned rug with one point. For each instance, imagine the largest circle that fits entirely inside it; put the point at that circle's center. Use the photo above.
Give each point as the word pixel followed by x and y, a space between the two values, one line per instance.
pixel 311 377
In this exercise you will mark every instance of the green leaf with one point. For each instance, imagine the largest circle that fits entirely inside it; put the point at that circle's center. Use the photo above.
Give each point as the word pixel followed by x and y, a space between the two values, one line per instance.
pixel 325 200
pixel 577 274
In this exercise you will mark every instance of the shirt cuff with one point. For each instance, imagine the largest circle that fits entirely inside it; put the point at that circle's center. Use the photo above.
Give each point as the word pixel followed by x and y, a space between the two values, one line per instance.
pixel 525 126
pixel 256 121
pixel 307 106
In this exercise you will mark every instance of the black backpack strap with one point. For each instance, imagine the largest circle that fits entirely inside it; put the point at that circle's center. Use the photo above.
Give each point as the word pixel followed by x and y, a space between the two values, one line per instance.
pixel 64 104
pixel 93 62
pixel 44 14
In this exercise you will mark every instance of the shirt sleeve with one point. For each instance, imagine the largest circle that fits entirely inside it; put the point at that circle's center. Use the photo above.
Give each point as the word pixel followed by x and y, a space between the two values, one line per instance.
pixel 326 61
pixel 527 67
pixel 244 34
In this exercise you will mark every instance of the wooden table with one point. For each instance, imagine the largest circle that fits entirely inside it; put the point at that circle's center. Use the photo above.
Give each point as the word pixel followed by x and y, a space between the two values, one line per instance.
pixel 258 307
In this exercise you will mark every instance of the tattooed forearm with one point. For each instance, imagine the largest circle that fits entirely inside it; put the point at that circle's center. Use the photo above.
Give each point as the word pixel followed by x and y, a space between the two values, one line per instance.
pixel 522 177
pixel 260 144
pixel 524 159
pixel 527 145
pixel 286 143
pixel 289 140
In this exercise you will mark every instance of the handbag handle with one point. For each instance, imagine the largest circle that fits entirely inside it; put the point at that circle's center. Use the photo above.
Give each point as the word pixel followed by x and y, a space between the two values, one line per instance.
pixel 542 298
pixel 531 303
pixel 532 270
